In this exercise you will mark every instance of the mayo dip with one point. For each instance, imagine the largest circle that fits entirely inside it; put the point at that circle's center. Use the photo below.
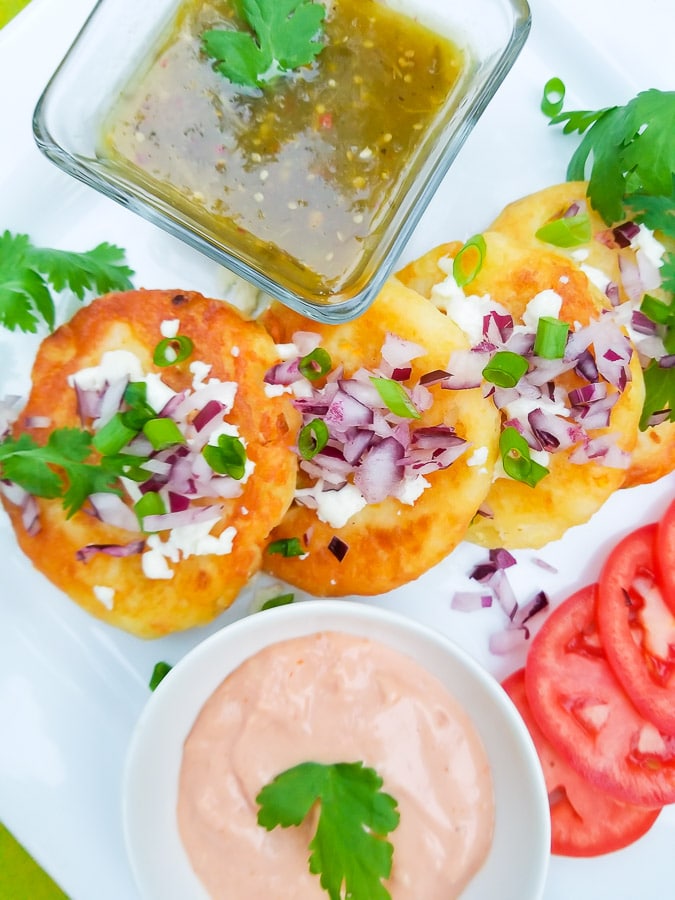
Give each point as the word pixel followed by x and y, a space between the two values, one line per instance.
pixel 332 697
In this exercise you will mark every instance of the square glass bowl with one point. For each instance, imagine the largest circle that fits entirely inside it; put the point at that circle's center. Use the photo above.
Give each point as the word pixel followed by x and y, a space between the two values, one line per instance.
pixel 309 187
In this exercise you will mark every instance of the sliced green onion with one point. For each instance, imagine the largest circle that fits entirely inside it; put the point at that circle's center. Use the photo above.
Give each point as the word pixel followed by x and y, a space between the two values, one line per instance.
pixel 150 504
pixel 553 98
pixel 162 433
pixel 567 231
pixel 113 436
pixel 160 671
pixel 136 398
pixel 516 459
pixel 315 364
pixel 280 600
pixel 228 457
pixel 551 338
pixel 395 398
pixel 505 369
pixel 656 310
pixel 312 438
pixel 469 261
pixel 286 547
pixel 172 350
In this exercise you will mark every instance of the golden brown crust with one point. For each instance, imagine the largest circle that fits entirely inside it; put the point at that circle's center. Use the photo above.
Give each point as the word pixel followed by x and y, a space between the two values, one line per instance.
pixel 654 452
pixel 202 586
pixel 521 516
pixel 391 543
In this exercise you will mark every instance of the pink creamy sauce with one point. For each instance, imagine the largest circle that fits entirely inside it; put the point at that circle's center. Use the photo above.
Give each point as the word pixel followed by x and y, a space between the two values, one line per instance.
pixel 332 697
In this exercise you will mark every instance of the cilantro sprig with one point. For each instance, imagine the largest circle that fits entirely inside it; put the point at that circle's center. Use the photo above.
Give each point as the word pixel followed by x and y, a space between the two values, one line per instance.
pixel 283 35
pixel 627 154
pixel 349 851
pixel 57 469
pixel 29 275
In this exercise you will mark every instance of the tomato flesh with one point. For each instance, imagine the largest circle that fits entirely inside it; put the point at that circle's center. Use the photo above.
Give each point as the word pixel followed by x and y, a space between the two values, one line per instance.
pixel 584 820
pixel 665 556
pixel 586 715
pixel 636 627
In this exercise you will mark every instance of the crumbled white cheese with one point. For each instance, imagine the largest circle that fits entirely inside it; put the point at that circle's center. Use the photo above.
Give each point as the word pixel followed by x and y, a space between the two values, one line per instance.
pixel 169 328
pixel 234 351
pixel 158 393
pixel 596 277
pixel 276 390
pixel 478 457
pixel 580 255
pixel 545 303
pixel 466 312
pixel 645 242
pixel 199 371
pixel 183 542
pixel 411 489
pixel 114 365
pixel 287 351
pixel 335 508
pixel 105 595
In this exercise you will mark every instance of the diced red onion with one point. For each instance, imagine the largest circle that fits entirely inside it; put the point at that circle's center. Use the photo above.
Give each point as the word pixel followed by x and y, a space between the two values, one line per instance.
pixel 111 509
pixel 507 641
pixel 630 278
pixel 84 554
pixel 625 233
pixel 194 515
pixel 380 470
pixel 338 548
pixel 37 422
pixel 470 601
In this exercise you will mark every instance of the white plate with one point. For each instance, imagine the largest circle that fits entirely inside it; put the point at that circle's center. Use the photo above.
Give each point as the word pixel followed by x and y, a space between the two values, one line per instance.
pixel 72 689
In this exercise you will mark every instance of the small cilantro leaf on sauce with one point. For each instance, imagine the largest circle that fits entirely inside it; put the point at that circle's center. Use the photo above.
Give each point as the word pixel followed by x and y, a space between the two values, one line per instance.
pixel 349 850
pixel 27 272
pixel 285 34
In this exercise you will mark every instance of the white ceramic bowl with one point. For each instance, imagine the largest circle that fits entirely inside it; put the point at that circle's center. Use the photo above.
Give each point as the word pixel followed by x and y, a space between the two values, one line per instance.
pixel 518 860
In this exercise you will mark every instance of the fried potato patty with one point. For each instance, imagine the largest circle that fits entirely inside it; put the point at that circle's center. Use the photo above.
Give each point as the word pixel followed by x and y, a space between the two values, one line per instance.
pixel 391 543
pixel 654 452
pixel 517 514
pixel 202 585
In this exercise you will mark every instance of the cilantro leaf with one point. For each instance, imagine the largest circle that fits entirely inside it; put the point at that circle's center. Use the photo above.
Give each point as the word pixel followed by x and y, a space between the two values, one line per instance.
pixel 26 273
pixel 30 465
pixel 348 850
pixel 285 34
pixel 628 149
pixel 657 212
pixel 659 393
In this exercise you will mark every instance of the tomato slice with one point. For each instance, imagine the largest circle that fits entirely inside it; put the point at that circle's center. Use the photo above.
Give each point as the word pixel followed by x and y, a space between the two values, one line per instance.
pixel 665 555
pixel 637 629
pixel 587 716
pixel 584 820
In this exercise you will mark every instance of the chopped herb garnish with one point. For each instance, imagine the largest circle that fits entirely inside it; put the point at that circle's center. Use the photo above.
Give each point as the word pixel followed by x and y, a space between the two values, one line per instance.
pixel 554 97
pixel 30 465
pixel 316 364
pixel 286 547
pixel 114 435
pixel 505 369
pixel 627 153
pixel 349 850
pixel 170 351
pixel 517 460
pixel 284 35
pixel 27 273
pixel 160 671
pixel 312 438
pixel 279 600
pixel 228 457
pixel 469 261
pixel 150 504
pixel 551 338
pixel 568 231
pixel 395 398
pixel 163 432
